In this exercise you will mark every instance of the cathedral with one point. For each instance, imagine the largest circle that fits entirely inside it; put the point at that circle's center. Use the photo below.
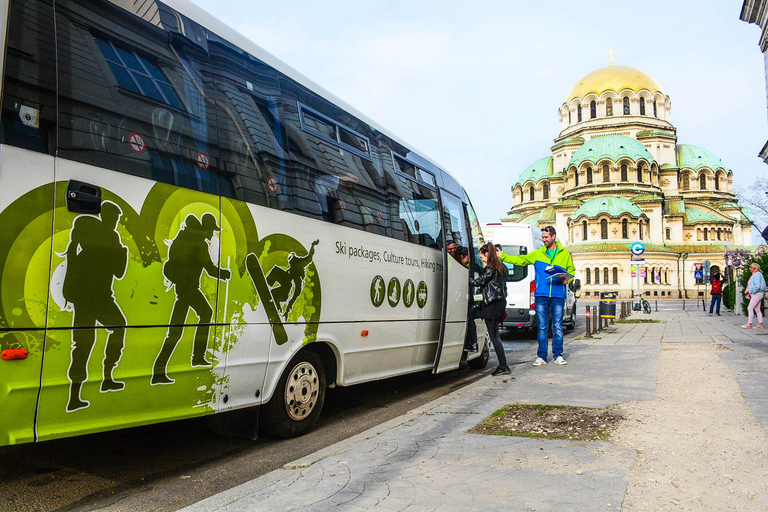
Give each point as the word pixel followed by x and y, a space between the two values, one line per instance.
pixel 617 175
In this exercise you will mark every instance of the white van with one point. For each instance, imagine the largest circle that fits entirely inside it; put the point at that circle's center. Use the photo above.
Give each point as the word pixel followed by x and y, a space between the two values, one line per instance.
pixel 516 239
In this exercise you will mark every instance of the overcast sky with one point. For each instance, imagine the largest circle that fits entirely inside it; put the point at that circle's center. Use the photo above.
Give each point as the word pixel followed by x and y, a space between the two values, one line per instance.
pixel 476 85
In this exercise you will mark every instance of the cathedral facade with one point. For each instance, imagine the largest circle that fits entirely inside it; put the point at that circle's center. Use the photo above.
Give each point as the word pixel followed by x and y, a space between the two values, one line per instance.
pixel 617 175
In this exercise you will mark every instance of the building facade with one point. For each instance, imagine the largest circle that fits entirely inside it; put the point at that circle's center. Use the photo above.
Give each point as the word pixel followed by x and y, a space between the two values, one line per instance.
pixel 616 174
pixel 756 11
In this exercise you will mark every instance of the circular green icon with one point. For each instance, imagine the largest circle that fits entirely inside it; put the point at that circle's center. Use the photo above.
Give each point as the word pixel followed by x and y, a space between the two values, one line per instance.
pixel 409 292
pixel 421 294
pixel 377 291
pixel 393 292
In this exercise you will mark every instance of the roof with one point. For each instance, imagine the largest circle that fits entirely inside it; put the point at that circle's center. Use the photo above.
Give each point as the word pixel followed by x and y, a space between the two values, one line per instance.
pixel 612 205
pixel 566 142
pixel 537 171
pixel 647 134
pixel 710 248
pixel 613 78
pixel 610 146
pixel 694 157
pixel 623 246
pixel 694 216
pixel 674 207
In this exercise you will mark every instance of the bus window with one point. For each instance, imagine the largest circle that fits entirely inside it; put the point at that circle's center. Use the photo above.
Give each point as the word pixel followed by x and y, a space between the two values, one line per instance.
pixel 454 223
pixel 477 236
pixel 29 86
pixel 133 98
pixel 516 272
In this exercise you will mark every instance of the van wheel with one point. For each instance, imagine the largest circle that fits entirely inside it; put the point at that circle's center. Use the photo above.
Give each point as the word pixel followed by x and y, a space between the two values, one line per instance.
pixel 481 362
pixel 298 398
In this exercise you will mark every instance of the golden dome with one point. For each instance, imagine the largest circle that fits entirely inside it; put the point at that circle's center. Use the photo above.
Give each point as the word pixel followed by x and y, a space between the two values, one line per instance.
pixel 614 78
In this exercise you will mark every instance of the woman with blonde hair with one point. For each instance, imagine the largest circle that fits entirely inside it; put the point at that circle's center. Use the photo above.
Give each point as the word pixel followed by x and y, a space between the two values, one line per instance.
pixel 755 293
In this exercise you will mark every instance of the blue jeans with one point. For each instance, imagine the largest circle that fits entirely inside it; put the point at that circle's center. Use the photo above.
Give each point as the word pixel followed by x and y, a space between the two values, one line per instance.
pixel 715 300
pixel 547 307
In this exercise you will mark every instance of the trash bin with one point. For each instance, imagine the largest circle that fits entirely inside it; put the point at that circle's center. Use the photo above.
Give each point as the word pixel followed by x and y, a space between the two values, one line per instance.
pixel 608 304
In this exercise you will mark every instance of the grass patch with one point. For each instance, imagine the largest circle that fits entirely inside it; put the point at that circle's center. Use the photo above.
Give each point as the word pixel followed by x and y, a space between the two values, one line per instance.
pixel 551 422
pixel 638 321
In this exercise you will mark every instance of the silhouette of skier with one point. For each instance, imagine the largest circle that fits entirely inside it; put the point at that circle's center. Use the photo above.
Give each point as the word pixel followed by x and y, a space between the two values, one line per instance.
pixel 95 257
pixel 187 258
pixel 284 281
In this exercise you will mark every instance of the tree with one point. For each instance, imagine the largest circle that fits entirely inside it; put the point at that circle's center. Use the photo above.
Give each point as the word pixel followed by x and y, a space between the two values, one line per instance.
pixel 756 199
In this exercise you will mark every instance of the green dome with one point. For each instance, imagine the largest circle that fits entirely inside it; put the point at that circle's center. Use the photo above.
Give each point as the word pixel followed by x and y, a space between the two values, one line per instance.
pixel 610 146
pixel 694 216
pixel 612 205
pixel 537 171
pixel 694 157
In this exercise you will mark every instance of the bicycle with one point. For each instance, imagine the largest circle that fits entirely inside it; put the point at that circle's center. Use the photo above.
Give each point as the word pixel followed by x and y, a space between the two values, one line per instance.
pixel 642 303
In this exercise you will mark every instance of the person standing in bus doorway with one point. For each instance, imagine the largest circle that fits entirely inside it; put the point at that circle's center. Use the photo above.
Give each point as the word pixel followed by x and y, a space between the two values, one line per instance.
pixel 550 291
pixel 492 282
pixel 188 256
pixel 716 291
pixel 95 257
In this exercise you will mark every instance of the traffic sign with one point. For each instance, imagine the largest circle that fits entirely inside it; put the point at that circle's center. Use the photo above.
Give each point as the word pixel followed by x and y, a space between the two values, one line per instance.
pixel 638 260
pixel 698 274
pixel 698 266
pixel 637 248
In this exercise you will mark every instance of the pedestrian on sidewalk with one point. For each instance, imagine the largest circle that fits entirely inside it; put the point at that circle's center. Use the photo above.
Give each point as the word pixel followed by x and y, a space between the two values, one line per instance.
pixel 550 293
pixel 492 282
pixel 755 293
pixel 716 292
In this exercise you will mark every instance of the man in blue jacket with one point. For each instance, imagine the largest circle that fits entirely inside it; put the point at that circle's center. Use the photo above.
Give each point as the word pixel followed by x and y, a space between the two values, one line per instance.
pixel 550 294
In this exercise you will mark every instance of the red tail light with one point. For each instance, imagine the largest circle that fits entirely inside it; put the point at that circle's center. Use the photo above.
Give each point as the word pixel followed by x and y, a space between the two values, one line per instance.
pixel 533 298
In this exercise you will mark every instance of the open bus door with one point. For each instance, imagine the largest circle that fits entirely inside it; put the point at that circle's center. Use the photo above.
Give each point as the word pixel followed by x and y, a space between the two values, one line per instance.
pixel 455 285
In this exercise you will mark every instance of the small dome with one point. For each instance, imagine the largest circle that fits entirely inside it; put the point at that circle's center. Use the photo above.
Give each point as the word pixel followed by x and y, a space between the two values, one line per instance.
pixel 612 205
pixel 537 171
pixel 610 146
pixel 613 78
pixel 694 157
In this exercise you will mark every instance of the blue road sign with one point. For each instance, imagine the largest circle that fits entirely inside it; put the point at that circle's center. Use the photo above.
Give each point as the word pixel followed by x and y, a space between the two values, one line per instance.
pixel 698 274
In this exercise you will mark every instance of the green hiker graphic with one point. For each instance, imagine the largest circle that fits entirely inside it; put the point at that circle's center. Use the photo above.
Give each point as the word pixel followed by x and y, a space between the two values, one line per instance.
pixel 95 257
pixel 280 284
pixel 187 258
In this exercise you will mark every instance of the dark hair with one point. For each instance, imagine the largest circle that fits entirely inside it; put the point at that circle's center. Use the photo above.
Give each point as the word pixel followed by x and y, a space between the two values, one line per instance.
pixel 461 252
pixel 492 261
pixel 550 230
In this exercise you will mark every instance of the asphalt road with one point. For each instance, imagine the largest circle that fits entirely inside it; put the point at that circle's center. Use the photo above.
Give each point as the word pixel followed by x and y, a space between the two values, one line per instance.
pixel 171 465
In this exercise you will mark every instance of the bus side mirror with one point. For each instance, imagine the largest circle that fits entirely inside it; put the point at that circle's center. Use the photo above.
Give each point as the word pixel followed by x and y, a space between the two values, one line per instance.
pixel 575 285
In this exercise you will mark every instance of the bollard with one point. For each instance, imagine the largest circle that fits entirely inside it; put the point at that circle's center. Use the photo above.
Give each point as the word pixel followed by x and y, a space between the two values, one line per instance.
pixel 683 304
pixel 589 315
pixel 596 316
pixel 657 305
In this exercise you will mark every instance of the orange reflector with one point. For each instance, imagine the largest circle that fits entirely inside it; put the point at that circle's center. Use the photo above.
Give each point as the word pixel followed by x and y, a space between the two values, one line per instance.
pixel 14 353
pixel 363 333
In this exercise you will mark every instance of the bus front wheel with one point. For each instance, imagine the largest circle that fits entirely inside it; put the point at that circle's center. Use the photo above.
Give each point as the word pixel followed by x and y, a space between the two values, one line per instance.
pixel 298 398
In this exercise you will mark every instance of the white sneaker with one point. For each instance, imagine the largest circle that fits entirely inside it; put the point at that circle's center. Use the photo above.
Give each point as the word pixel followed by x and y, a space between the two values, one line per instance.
pixel 560 360
pixel 539 362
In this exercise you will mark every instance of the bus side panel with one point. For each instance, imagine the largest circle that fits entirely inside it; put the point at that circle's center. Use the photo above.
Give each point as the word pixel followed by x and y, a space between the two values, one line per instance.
pixel 19 385
pixel 456 322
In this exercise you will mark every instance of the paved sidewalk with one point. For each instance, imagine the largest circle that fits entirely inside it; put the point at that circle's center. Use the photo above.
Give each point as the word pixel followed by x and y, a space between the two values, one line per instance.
pixel 426 460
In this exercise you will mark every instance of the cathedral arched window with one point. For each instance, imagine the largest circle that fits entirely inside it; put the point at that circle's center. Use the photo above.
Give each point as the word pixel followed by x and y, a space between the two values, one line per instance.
pixel 605 275
pixel 615 275
pixel 606 174
pixel 604 229
pixel 639 173
pixel 717 182
pixel 545 191
pixel 578 113
pixel 642 106
pixel 698 234
pixel 575 177
pixel 589 276
pixel 669 234
pixel 589 175
pixel 597 276
pixel 569 117
pixel 719 233
pixel 625 102
pixel 640 226
pixel 703 181
pixel 706 234
pixel 608 106
pixel 584 230
pixel 686 181
pixel 624 173
pixel 655 113
pixel 532 193
pixel 666 276
pixel 625 229
pixel 592 109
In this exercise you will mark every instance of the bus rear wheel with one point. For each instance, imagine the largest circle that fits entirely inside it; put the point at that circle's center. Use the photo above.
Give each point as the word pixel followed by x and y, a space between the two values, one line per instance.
pixel 298 398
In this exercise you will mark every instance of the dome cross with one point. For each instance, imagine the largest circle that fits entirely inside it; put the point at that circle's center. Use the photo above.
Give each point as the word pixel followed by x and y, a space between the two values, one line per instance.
pixel 610 55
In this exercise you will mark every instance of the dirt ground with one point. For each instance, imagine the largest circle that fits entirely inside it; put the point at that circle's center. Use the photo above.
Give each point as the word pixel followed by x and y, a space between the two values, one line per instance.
pixel 699 445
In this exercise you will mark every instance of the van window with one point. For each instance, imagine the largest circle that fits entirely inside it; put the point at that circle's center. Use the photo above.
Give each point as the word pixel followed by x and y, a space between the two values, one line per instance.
pixel 516 272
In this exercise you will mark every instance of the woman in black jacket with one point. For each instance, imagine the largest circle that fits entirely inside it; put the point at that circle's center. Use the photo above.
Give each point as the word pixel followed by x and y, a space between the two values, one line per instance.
pixel 493 284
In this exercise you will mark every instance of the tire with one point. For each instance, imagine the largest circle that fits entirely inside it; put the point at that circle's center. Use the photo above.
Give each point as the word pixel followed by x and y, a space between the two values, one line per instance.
pixel 647 307
pixel 298 398
pixel 481 362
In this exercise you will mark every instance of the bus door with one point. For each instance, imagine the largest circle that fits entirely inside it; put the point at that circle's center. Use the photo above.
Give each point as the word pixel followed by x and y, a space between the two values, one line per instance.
pixel 455 284
pixel 135 258
pixel 28 137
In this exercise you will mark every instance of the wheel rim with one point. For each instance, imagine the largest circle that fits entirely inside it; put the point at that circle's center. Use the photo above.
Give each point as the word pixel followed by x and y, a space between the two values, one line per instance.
pixel 301 391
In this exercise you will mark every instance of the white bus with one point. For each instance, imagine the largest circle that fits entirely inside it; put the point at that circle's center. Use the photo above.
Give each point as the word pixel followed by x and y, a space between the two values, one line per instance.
pixel 189 227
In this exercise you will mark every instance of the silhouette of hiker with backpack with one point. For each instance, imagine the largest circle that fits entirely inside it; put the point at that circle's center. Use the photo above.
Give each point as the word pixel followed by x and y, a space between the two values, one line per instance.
pixel 95 257
pixel 187 258
pixel 290 281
